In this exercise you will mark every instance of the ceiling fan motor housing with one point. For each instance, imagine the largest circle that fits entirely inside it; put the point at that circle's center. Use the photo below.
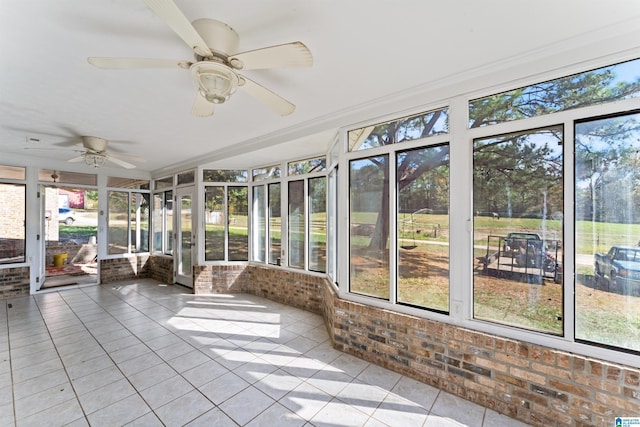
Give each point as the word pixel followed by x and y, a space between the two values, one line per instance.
pixel 218 36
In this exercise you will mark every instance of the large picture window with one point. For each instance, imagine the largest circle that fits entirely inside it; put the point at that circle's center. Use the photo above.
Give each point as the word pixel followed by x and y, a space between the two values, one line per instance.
pixel 517 229
pixel 607 232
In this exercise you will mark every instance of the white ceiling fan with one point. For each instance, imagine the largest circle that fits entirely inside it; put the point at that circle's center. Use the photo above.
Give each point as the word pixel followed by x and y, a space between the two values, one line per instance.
pixel 217 60
pixel 94 152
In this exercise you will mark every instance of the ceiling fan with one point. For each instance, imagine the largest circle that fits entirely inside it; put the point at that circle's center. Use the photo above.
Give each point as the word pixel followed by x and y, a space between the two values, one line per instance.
pixel 217 60
pixel 94 152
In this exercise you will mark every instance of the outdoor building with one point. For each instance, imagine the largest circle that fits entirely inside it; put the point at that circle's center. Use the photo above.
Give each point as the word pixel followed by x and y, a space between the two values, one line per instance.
pixel 478 233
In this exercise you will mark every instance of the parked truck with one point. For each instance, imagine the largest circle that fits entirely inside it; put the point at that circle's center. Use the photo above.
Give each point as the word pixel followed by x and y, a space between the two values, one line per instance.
pixel 619 269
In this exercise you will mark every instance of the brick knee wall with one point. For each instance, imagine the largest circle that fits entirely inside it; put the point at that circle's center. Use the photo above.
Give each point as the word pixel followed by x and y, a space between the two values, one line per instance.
pixel 538 385
pixel 161 268
pixel 292 288
pixel 213 279
pixel 129 267
pixel 14 282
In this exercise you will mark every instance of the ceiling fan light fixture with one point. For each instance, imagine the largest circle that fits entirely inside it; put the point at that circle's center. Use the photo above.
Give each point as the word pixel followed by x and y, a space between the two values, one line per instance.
pixel 94 160
pixel 216 82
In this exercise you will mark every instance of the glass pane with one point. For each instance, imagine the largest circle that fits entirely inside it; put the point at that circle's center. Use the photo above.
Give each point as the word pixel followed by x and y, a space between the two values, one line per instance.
pixel 369 226
pixel 164 183
pixel 262 174
pixel 275 224
pixel 607 201
pixel 296 224
pixel 307 166
pixel 118 222
pixel 318 224
pixel 132 183
pixel 423 227
pixel 259 231
pixel 238 223
pixel 332 226
pixel 12 172
pixel 157 221
pixel 579 90
pixel 400 130
pixel 168 237
pixel 186 236
pixel 186 177
pixel 214 218
pixel 12 223
pixel 518 211
pixel 221 175
pixel 139 222
pixel 50 175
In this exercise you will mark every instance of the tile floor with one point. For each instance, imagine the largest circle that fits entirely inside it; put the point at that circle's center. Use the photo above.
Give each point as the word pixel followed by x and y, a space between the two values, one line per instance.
pixel 141 353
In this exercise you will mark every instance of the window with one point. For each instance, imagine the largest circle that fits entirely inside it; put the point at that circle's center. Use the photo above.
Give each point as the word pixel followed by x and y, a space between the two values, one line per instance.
pixel 267 223
pixel 517 229
pixel 399 211
pixel 214 211
pixel 226 223
pixel 422 242
pixel 13 172
pixel 296 215
pixel 186 178
pixel 369 226
pixel 163 222
pixel 332 225
pixel 259 229
pixel 222 175
pixel 238 209
pixel 400 130
pixel 56 176
pixel 318 224
pixel 113 181
pixel 128 222
pixel 607 214
pixel 275 223
pixel 162 183
pixel 12 220
pixel 594 87
pixel 307 166
pixel 118 222
pixel 263 174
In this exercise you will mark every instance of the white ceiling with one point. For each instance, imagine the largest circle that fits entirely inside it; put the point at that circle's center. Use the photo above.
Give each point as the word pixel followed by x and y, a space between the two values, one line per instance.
pixel 371 57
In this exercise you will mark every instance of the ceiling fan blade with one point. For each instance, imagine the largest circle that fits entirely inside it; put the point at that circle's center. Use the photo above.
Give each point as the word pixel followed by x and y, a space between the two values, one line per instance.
pixel 202 107
pixel 120 162
pixel 128 63
pixel 175 19
pixel 267 97
pixel 76 159
pixel 294 54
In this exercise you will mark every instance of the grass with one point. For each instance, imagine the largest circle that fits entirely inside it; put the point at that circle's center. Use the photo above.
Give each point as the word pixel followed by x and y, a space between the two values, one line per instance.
pixel 606 317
